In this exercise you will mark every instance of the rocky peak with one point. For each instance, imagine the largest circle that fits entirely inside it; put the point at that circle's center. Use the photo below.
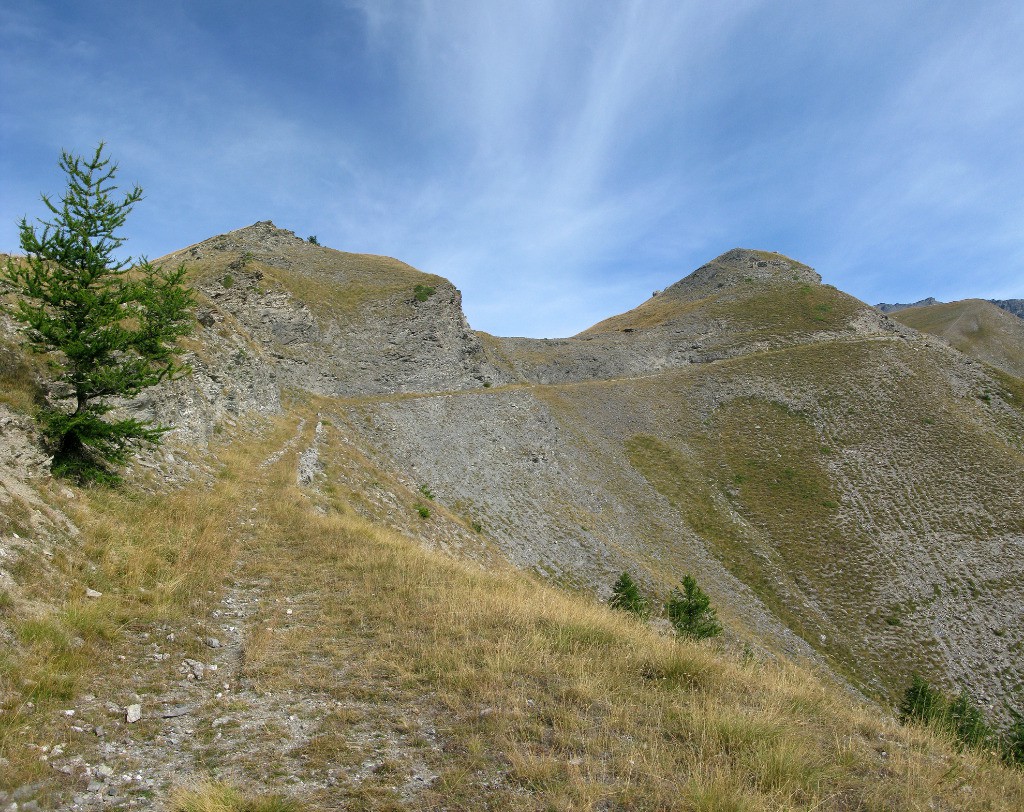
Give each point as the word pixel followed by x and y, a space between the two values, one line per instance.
pixel 262 240
pixel 263 234
pixel 742 265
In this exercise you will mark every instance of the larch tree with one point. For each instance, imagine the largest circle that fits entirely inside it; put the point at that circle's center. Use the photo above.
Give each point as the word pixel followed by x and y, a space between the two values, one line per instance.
pixel 108 326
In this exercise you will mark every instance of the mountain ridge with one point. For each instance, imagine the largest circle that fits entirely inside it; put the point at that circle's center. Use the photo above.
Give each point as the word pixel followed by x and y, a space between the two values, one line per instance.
pixel 515 433
pixel 1013 306
pixel 845 487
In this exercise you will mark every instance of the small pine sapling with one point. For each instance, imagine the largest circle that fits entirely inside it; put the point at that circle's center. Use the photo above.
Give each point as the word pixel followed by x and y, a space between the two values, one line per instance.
pixel 967 723
pixel 690 611
pixel 921 704
pixel 626 596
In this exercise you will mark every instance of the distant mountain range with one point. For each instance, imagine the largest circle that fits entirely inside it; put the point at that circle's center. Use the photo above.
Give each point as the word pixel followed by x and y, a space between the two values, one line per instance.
pixel 1015 306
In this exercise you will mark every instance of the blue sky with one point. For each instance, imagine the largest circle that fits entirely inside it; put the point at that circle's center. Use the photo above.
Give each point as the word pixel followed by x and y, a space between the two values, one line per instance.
pixel 557 160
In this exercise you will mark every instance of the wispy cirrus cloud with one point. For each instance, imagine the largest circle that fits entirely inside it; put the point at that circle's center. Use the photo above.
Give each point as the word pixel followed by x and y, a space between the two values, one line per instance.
pixel 558 161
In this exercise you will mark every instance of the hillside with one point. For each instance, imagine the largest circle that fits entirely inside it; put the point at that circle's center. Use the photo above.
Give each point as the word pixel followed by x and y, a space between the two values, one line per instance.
pixel 976 328
pixel 391 535
pixel 792 457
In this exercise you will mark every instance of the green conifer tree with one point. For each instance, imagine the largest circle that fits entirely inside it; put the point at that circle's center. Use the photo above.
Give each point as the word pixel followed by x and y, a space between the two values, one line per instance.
pixel 690 611
pixel 626 596
pixel 108 326
pixel 921 703
pixel 966 722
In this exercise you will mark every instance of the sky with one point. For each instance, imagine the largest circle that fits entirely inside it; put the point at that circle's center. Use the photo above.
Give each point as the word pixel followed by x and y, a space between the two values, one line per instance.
pixel 557 160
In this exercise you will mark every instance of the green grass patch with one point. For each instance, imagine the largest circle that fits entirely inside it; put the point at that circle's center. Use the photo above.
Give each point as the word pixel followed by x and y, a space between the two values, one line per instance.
pixel 682 478
pixel 786 307
pixel 423 292
pixel 220 797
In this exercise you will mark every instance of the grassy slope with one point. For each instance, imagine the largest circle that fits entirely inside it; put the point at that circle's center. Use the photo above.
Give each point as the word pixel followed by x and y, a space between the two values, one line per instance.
pixel 505 691
pixel 335 285
pixel 756 308
pixel 845 501
pixel 976 328
pixel 510 693
pixel 749 307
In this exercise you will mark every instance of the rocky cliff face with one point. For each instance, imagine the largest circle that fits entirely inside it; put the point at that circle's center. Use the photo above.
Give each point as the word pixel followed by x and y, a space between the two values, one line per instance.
pixel 1014 306
pixel 334 323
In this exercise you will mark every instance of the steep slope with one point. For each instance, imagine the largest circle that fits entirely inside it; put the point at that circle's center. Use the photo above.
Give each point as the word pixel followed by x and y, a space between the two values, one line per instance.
pixel 822 466
pixel 860 507
pixel 271 638
pixel 975 327
pixel 845 487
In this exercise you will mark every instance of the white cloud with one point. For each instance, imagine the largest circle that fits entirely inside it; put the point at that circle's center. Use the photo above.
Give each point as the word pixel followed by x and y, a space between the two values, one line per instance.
pixel 560 160
pixel 539 105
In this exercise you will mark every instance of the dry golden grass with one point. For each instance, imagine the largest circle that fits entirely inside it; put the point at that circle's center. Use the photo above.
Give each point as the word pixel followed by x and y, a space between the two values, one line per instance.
pixel 510 692
pixel 655 311
pixel 20 373
pixel 225 798
pixel 154 558
pixel 335 285
pixel 545 700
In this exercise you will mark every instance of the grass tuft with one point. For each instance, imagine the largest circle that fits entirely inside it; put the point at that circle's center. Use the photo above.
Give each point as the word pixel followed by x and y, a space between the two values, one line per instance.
pixel 221 797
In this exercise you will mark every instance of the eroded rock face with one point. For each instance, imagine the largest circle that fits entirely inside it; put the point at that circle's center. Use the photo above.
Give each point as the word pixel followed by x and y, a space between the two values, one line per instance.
pixel 336 323
pixel 398 344
pixel 1015 306
pixel 230 378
